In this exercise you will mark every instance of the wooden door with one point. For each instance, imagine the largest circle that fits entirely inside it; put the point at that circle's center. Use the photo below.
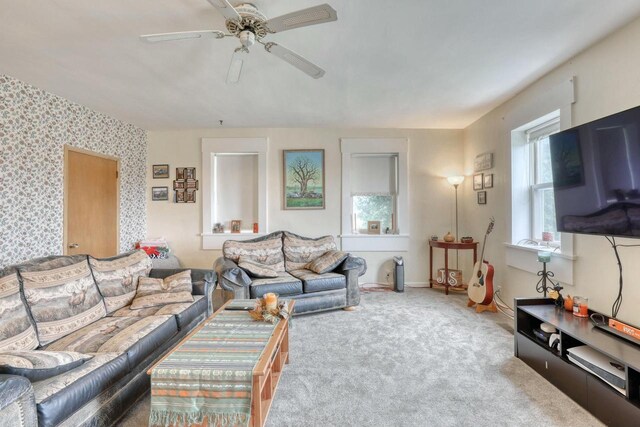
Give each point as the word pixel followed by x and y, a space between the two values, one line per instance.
pixel 91 204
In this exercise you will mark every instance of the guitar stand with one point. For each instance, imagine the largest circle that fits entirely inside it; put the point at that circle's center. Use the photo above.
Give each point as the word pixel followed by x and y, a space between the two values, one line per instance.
pixel 482 307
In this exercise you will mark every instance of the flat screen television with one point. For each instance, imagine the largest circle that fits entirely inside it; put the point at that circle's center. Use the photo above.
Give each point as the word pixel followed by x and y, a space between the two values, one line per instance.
pixel 596 176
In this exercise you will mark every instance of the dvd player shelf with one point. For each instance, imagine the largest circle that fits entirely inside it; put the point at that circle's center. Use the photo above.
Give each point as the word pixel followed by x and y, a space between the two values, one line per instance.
pixel 587 389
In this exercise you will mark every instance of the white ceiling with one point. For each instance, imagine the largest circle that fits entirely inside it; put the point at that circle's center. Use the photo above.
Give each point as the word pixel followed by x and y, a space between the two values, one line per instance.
pixel 400 64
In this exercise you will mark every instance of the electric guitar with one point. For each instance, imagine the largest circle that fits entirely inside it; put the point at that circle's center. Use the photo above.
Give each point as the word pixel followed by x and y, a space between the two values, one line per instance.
pixel 480 289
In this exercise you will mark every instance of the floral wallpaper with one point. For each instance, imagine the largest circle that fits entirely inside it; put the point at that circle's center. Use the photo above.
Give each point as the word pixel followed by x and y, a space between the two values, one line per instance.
pixel 34 127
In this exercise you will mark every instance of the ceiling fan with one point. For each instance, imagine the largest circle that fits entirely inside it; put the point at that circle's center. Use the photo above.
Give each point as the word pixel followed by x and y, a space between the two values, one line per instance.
pixel 249 25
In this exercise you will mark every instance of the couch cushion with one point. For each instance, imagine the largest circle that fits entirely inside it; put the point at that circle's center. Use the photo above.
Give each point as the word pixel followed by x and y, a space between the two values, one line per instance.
pixel 62 395
pixel 185 312
pixel 117 277
pixel 137 336
pixel 314 282
pixel 266 250
pixel 327 262
pixel 298 250
pixel 62 299
pixel 37 365
pixel 155 292
pixel 16 330
pixel 256 269
pixel 284 284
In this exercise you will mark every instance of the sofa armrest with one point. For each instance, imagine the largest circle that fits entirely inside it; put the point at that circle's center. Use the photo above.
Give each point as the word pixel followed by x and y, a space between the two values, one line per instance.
pixel 352 267
pixel 17 401
pixel 232 278
pixel 353 263
pixel 204 281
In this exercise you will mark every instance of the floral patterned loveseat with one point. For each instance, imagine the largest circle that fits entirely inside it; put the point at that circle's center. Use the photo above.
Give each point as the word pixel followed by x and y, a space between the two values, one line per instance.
pixel 83 334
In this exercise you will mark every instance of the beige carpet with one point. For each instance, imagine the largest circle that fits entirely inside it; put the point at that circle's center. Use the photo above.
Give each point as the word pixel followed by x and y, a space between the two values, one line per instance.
pixel 415 359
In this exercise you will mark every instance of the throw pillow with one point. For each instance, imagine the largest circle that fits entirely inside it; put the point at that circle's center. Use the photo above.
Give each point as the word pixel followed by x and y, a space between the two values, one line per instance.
pixel 327 262
pixel 299 251
pixel 117 278
pixel 38 365
pixel 62 299
pixel 173 289
pixel 256 269
pixel 16 330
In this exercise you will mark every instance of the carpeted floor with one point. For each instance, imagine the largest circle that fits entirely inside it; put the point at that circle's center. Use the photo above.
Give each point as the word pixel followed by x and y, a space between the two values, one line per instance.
pixel 415 359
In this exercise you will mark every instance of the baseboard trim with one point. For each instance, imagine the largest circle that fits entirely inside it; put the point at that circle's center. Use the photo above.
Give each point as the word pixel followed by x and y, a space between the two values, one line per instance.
pixel 417 284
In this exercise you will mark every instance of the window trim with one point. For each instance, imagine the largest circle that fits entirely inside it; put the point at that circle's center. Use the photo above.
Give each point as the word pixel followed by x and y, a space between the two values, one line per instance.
pixel 383 242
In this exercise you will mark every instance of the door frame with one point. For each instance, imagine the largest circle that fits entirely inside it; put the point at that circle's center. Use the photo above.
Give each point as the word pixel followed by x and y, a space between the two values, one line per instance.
pixel 67 149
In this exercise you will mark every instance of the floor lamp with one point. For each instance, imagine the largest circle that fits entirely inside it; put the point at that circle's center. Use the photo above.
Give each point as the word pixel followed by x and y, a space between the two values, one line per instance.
pixel 456 181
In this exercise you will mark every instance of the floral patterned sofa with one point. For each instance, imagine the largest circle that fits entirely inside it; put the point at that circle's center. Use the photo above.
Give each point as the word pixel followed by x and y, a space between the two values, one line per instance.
pixel 84 333
pixel 311 271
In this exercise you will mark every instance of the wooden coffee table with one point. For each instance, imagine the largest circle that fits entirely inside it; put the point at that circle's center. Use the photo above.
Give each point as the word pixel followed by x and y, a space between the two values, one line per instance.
pixel 268 369
pixel 266 374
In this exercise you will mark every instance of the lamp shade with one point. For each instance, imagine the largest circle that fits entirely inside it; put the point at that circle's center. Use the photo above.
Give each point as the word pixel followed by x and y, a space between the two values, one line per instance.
pixel 455 180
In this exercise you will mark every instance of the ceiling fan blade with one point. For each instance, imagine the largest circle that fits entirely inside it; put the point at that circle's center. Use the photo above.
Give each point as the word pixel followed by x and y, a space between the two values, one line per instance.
pixel 235 67
pixel 294 59
pixel 225 8
pixel 184 35
pixel 302 18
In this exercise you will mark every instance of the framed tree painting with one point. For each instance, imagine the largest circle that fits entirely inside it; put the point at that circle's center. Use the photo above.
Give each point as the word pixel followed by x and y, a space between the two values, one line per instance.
pixel 303 179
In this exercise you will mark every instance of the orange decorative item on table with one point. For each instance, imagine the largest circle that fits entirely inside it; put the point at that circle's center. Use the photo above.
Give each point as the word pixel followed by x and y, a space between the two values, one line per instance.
pixel 568 303
pixel 580 307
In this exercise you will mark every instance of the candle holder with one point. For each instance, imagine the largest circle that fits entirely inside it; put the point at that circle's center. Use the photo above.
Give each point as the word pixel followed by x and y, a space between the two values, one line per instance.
pixel 546 284
pixel 269 310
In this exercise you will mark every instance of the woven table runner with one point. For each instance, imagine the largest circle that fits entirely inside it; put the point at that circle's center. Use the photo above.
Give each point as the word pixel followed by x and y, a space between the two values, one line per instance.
pixel 211 374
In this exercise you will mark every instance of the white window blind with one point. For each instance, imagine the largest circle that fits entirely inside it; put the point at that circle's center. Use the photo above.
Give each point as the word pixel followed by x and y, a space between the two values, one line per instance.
pixel 374 174
pixel 543 130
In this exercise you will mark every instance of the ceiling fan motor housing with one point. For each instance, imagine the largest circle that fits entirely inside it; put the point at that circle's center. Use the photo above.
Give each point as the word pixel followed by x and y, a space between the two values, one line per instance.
pixel 252 20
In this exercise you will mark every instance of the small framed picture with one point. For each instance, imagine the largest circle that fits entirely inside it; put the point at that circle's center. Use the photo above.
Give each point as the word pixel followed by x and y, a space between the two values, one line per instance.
pixel 180 196
pixel 482 197
pixel 190 173
pixel 488 180
pixel 191 196
pixel 180 173
pixel 179 185
pixel 159 193
pixel 235 225
pixel 192 183
pixel 160 171
pixel 477 181
pixel 373 227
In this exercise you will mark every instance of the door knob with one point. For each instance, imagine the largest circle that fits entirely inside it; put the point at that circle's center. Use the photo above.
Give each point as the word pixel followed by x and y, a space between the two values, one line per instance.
pixel 73 245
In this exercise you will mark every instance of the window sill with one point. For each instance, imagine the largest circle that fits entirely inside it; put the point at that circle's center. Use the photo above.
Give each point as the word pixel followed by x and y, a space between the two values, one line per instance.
pixel 375 242
pixel 526 258
pixel 214 241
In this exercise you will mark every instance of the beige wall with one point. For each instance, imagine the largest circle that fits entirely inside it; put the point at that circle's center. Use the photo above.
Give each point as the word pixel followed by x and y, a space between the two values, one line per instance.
pixel 433 155
pixel 606 82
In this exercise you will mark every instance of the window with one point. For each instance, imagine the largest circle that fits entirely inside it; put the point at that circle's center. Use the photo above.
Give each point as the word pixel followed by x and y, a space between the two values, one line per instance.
pixel 541 178
pixel 235 196
pixel 373 191
pixel 234 188
pixel 375 188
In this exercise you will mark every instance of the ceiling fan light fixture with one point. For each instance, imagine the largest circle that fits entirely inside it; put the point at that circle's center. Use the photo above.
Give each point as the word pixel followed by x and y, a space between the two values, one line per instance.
pixel 247 38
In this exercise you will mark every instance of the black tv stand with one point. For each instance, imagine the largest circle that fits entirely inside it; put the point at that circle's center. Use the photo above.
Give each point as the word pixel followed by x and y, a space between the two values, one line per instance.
pixel 596 396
